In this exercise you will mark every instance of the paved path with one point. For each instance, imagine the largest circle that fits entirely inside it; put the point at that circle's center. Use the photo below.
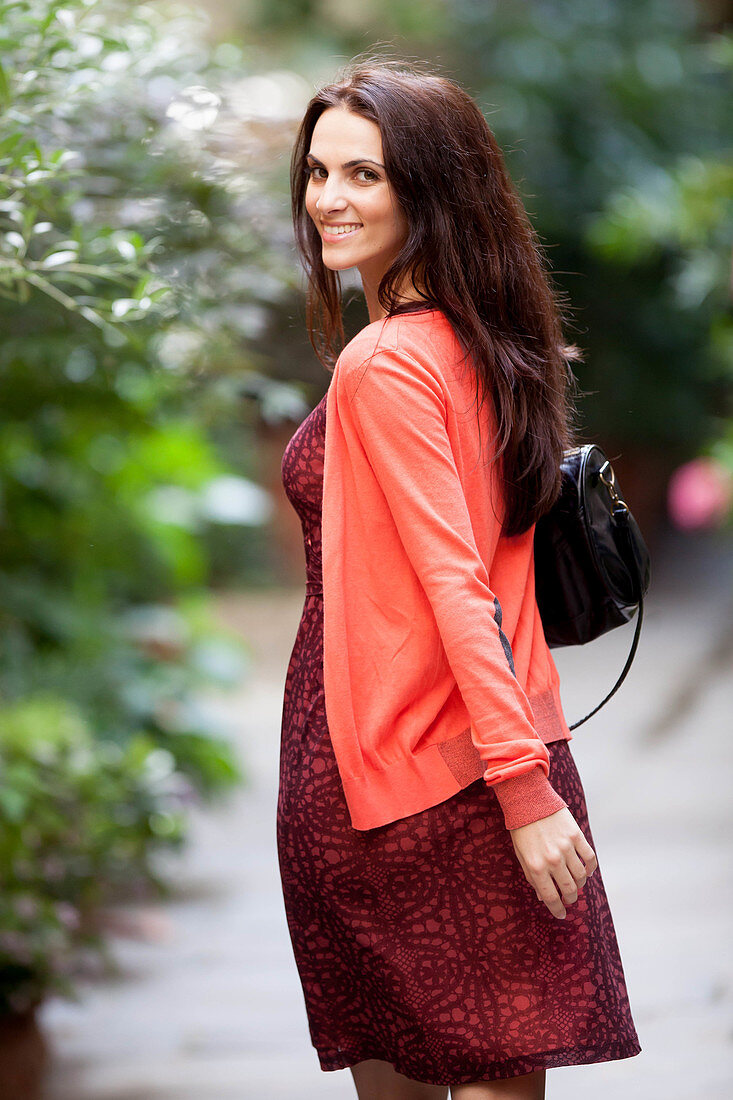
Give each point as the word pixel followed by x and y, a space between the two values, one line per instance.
pixel 212 1008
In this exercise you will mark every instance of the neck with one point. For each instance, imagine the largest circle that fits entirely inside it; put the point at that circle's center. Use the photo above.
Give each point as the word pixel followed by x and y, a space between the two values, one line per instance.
pixel 407 293
pixel 376 313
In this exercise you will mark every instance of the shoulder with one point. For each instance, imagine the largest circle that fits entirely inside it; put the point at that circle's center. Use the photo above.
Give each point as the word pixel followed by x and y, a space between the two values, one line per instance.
pixel 403 347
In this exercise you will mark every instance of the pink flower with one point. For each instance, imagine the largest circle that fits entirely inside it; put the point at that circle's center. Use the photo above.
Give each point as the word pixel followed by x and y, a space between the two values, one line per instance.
pixel 699 494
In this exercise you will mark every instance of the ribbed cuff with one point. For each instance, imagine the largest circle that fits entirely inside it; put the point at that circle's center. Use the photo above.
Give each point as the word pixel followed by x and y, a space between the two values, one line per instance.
pixel 527 797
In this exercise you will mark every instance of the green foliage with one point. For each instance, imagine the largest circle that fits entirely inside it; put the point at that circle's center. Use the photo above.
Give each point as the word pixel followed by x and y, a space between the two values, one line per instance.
pixel 345 26
pixel 80 819
pixel 683 220
pixel 123 308
pixel 617 124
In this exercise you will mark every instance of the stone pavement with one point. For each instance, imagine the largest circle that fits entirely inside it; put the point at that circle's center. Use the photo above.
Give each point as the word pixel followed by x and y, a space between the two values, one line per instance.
pixel 210 1006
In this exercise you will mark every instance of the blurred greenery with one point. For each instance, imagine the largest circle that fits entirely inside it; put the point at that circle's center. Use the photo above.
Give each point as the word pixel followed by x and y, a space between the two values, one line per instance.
pixel 617 115
pixel 131 272
pixel 79 818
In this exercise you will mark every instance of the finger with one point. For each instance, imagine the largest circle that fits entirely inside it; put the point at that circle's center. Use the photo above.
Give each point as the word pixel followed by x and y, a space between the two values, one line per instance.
pixel 547 893
pixel 577 869
pixel 566 884
pixel 558 867
pixel 587 854
pixel 568 888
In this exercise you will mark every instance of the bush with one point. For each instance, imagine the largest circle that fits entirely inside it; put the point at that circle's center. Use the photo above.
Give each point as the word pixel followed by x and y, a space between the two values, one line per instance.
pixel 120 322
pixel 80 818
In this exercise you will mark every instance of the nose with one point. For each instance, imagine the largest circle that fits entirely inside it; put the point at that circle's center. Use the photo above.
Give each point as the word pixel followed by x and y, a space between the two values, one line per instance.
pixel 330 198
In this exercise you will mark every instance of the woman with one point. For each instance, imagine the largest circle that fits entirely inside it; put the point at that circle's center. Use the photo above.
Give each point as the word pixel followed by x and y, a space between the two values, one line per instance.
pixel 449 922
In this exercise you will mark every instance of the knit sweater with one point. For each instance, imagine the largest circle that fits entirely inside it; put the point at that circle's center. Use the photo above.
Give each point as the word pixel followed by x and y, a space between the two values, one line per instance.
pixel 436 669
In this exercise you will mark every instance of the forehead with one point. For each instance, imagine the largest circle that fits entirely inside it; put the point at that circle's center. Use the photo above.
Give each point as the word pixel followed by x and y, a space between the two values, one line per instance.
pixel 341 132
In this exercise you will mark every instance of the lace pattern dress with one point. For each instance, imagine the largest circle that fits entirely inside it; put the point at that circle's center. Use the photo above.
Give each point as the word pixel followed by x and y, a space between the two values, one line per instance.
pixel 420 942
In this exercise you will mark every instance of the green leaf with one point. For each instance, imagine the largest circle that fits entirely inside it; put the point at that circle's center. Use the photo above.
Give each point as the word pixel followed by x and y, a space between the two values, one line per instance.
pixel 13 804
pixel 4 87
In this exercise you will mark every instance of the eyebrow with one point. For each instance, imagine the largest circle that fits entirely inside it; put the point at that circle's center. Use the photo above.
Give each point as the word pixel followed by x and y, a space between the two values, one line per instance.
pixel 349 163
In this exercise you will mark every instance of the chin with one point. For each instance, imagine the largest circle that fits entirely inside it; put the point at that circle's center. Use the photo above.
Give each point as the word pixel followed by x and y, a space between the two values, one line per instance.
pixel 338 265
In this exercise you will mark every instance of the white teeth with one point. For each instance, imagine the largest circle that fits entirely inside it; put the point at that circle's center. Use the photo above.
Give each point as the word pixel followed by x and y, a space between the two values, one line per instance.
pixel 341 229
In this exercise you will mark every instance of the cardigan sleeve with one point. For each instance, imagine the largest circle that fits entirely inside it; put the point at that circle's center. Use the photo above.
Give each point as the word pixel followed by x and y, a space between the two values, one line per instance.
pixel 398 410
pixel 527 797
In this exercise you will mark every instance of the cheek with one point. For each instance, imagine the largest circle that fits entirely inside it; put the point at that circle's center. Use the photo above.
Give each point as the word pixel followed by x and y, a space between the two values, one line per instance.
pixel 384 216
pixel 396 226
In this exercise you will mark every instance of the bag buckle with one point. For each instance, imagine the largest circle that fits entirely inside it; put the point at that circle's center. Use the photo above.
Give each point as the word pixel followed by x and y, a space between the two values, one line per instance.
pixel 610 483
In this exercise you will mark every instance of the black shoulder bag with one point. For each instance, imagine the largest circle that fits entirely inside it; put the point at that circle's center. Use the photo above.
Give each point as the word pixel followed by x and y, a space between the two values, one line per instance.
pixel 592 565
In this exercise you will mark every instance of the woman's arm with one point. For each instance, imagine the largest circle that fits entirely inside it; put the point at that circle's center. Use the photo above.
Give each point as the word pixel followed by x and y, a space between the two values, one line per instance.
pixel 398 411
pixel 396 408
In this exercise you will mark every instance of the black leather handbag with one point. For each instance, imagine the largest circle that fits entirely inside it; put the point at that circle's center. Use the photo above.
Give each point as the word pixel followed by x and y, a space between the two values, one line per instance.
pixel 592 565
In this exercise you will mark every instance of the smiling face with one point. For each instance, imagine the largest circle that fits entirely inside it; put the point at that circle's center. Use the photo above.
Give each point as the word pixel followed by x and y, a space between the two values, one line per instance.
pixel 349 198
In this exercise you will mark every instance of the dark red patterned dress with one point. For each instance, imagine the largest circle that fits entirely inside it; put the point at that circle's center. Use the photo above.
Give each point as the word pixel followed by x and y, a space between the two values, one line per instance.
pixel 420 942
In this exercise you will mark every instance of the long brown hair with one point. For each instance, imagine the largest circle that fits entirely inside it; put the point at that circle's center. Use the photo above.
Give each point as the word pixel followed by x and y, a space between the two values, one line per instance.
pixel 477 257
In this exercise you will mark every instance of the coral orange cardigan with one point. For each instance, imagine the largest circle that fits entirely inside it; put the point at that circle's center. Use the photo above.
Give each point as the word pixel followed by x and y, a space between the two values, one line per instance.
pixel 436 669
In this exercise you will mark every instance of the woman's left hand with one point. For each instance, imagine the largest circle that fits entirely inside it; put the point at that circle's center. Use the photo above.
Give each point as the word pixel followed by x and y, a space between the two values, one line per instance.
pixel 556 859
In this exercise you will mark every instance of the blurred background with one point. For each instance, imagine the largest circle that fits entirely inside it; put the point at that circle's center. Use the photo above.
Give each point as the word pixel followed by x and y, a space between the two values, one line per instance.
pixel 154 366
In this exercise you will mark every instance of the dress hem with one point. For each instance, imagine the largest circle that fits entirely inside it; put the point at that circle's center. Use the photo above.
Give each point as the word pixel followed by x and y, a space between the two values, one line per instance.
pixel 501 1070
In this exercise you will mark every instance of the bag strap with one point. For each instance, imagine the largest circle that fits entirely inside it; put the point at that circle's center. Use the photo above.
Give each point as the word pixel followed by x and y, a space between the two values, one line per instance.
pixel 624 673
pixel 621 514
